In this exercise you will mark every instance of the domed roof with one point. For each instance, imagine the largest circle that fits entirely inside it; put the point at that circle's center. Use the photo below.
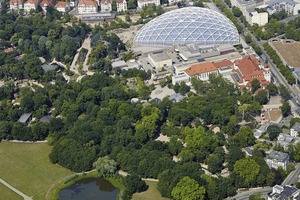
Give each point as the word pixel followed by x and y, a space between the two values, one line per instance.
pixel 201 26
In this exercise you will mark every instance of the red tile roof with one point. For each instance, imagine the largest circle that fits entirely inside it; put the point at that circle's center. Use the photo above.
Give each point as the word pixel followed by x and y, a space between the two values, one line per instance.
pixel 200 68
pixel 61 4
pixel 224 63
pixel 15 1
pixel 31 1
pixel 249 67
pixel 87 3
pixel 120 1
pixel 46 2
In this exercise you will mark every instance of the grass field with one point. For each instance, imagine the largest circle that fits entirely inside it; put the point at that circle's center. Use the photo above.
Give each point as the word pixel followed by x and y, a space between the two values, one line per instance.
pixel 27 168
pixel 151 194
pixel 8 194
pixel 289 51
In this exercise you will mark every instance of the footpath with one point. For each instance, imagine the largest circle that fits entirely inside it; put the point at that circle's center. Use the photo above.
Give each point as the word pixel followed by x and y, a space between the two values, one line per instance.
pixel 15 190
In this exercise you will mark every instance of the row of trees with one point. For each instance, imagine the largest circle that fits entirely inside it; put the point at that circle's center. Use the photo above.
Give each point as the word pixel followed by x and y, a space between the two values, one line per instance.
pixel 284 70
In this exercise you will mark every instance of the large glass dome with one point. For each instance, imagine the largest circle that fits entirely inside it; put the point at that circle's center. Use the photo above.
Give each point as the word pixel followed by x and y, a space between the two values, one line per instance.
pixel 201 26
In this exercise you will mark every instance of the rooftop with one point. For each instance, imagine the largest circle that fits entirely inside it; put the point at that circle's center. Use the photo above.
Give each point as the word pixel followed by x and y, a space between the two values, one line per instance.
pixel 87 3
pixel 120 63
pixel 278 155
pixel 285 192
pixel 24 118
pixel 296 126
pixel 200 68
pixel 61 4
pixel 159 56
pixel 46 118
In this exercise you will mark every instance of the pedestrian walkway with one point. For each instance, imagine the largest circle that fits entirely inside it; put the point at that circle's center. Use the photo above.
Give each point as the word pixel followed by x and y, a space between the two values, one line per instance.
pixel 15 190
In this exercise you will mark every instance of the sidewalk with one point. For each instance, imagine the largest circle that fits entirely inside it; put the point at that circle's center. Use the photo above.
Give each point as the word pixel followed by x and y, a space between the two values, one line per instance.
pixel 15 190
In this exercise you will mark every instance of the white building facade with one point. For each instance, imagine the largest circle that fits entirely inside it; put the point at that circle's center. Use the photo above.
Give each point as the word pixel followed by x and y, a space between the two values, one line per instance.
pixel 142 3
pixel 106 6
pixel 87 6
pixel 121 5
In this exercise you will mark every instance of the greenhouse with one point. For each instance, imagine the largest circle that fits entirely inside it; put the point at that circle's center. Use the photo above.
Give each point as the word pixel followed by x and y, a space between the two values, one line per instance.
pixel 201 26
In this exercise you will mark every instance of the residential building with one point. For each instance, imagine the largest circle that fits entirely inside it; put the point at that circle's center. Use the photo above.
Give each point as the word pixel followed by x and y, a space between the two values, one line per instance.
pixel 261 130
pixel 202 70
pixel 181 77
pixel 61 6
pixel 248 151
pixel 291 7
pixel 260 19
pixel 25 118
pixel 16 4
pixel 295 130
pixel 286 192
pixel 121 5
pixel 30 5
pixel 176 97
pixel 249 68
pixel 248 9
pixel 44 4
pixel 296 113
pixel 87 6
pixel 142 3
pixel 286 140
pixel 106 5
pixel 46 118
pixel 277 159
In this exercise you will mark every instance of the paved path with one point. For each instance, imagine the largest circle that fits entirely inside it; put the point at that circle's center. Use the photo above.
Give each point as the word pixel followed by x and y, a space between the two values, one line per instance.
pixel 293 177
pixel 15 190
pixel 245 195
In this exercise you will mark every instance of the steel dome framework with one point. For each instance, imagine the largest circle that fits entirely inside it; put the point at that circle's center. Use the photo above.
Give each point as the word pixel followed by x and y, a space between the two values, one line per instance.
pixel 201 26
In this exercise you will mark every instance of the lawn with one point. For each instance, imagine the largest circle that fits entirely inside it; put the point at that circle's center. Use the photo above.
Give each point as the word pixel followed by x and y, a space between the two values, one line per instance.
pixel 151 194
pixel 27 168
pixel 8 194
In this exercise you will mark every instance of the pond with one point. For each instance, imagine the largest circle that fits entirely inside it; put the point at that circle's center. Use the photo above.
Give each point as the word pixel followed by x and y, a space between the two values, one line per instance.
pixel 90 189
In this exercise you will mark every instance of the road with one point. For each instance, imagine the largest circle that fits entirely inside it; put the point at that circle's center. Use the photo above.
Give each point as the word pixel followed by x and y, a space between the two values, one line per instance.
pixel 293 177
pixel 294 91
pixel 286 20
pixel 245 195
pixel 15 190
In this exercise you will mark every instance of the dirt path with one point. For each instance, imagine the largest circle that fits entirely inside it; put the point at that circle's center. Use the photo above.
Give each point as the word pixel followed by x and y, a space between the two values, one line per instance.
pixel 15 190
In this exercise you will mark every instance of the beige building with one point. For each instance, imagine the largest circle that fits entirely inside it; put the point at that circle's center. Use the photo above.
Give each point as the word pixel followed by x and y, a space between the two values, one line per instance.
pixel 61 6
pixel 159 60
pixel 142 3
pixel 87 6
pixel 260 19
pixel 16 4
pixel 121 5
pixel 30 5
pixel 106 5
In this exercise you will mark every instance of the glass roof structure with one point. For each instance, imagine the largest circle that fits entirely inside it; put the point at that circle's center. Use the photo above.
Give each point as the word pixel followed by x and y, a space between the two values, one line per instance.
pixel 201 26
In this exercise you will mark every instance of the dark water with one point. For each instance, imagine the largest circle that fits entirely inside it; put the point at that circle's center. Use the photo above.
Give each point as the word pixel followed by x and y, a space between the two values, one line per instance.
pixel 90 189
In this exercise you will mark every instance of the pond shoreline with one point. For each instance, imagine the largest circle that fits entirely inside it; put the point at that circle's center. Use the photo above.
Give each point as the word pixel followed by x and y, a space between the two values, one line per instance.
pixel 55 191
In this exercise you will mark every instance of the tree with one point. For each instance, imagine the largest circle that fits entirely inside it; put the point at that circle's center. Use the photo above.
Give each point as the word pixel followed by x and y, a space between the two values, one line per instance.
pixel 248 39
pixel 272 88
pixel 285 109
pixel 105 166
pixel 273 131
pixel 255 85
pixel 245 137
pixel 188 189
pixel 247 169
pixel 214 163
pixel 284 93
pixel 133 183
pixel 131 4
pixel 236 11
pixel 114 6
pixel 198 3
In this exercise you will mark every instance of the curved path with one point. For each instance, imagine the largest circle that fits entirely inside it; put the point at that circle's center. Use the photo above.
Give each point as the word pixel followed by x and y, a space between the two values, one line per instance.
pixel 15 190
